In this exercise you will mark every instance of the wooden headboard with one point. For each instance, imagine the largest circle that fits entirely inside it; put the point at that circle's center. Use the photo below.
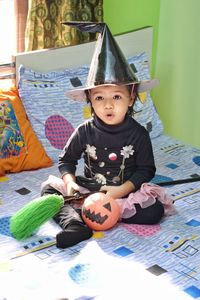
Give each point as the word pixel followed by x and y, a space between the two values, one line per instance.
pixel 131 43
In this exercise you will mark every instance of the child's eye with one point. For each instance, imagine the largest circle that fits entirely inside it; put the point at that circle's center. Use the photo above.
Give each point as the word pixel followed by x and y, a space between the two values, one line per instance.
pixel 117 97
pixel 99 98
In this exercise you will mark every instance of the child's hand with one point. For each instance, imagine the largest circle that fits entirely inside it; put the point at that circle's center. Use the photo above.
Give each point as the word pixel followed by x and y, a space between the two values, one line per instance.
pixel 115 192
pixel 70 184
pixel 72 187
pixel 120 191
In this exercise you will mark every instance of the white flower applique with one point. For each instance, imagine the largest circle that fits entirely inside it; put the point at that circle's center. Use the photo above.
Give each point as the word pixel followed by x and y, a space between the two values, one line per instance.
pixel 127 151
pixel 91 151
pixel 100 178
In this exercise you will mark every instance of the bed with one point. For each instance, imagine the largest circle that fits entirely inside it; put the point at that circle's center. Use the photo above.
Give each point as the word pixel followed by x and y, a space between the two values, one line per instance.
pixel 127 261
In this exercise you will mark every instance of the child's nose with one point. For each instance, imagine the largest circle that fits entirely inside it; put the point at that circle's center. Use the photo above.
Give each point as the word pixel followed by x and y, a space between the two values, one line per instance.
pixel 108 103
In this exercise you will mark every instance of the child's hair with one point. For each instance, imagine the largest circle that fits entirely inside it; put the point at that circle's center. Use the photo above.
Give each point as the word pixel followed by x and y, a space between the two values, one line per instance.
pixel 132 90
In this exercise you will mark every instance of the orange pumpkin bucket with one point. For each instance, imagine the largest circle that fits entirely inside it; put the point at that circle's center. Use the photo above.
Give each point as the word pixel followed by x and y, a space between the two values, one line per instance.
pixel 100 211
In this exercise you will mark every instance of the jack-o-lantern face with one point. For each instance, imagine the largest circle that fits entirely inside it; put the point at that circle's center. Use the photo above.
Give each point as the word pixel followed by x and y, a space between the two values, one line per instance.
pixel 100 212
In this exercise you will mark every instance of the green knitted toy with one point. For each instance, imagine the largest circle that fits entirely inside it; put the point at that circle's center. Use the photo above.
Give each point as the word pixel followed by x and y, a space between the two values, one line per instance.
pixel 30 217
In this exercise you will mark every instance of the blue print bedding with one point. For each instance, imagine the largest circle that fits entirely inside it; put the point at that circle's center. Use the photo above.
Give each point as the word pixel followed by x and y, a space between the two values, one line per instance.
pixel 126 262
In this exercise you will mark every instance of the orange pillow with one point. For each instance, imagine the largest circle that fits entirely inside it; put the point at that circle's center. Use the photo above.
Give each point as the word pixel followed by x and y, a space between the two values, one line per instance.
pixel 20 148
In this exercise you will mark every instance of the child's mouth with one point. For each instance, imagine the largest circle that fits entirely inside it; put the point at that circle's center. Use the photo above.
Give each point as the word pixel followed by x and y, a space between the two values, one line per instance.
pixel 109 116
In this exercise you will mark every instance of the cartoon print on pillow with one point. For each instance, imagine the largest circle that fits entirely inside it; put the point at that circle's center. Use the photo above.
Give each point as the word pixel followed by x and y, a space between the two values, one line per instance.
pixel 12 141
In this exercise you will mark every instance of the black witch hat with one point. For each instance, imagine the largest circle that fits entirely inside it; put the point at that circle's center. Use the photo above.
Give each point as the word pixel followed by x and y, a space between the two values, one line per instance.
pixel 109 65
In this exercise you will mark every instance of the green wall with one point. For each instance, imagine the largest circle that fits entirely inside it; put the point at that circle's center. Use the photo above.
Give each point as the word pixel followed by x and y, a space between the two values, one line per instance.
pixel 178 68
pixel 127 15
pixel 176 57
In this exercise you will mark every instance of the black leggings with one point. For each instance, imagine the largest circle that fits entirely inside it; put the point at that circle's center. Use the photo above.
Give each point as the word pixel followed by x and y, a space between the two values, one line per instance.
pixel 68 214
pixel 146 216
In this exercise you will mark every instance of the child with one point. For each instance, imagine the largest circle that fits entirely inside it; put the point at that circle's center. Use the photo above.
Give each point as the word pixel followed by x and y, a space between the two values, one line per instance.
pixel 117 150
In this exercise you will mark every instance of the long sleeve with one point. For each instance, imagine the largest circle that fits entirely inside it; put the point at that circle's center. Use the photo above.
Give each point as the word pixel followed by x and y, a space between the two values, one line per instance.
pixel 71 153
pixel 145 165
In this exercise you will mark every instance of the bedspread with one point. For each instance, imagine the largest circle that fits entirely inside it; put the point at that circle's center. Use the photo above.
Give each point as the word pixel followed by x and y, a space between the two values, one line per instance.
pixel 121 263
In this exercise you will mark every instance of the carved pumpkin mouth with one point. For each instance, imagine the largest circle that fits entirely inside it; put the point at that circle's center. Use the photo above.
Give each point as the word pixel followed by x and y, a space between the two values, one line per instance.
pixel 100 211
pixel 97 217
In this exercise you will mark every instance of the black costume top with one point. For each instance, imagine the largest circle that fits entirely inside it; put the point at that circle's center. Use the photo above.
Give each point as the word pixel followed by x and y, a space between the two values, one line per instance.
pixel 112 154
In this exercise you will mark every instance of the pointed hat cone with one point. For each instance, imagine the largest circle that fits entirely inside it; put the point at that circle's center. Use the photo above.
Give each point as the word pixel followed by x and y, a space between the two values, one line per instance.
pixel 109 65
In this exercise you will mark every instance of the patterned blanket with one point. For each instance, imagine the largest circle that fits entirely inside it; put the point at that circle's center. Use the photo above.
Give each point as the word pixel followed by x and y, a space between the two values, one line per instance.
pixel 126 262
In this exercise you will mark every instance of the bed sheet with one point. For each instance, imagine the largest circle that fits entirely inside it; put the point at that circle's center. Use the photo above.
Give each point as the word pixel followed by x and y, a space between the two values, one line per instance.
pixel 150 262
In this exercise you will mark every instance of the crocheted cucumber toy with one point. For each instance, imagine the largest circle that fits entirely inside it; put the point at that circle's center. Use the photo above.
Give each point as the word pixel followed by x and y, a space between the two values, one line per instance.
pixel 30 217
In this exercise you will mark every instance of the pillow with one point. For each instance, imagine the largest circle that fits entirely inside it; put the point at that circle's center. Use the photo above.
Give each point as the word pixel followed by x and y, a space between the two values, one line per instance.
pixel 20 148
pixel 144 109
pixel 54 117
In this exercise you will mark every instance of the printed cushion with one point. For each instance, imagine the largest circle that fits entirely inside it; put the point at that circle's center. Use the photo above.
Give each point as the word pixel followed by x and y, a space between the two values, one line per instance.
pixel 144 108
pixel 54 117
pixel 20 148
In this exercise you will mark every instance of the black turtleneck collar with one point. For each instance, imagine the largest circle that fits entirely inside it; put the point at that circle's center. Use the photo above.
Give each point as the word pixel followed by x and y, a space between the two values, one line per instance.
pixel 125 125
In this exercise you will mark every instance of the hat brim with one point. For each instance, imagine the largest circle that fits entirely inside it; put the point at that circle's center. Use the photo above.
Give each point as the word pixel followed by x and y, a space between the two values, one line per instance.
pixel 80 95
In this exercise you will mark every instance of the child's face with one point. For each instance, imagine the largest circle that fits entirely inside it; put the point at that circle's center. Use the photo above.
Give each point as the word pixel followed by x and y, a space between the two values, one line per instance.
pixel 111 103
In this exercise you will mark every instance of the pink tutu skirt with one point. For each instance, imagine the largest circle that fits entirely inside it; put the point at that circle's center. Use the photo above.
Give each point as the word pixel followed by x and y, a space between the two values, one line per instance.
pixel 146 196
